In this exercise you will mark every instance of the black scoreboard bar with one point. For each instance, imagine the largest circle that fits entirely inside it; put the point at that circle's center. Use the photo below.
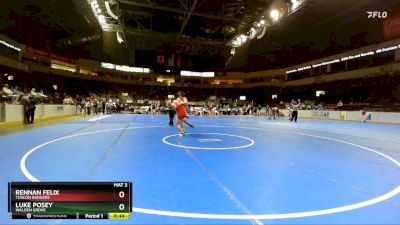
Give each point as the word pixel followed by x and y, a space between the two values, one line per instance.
pixel 70 200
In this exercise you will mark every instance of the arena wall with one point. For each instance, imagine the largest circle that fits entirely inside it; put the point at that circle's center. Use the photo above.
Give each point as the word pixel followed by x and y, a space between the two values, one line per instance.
pixel 14 114
pixel 374 117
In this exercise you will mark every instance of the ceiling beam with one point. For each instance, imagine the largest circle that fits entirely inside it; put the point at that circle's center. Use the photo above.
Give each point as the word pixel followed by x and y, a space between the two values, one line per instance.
pixel 138 23
pixel 163 8
pixel 183 4
pixel 187 18
pixel 150 2
pixel 168 37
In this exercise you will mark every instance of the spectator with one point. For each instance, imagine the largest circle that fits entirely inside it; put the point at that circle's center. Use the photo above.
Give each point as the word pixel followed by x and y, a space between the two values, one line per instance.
pixel 17 93
pixel 33 92
pixel 26 104
pixel 339 105
pixel 259 107
pixel 83 104
pixel 78 99
pixel 118 106
pixel 88 106
pixel 68 101
pixel 108 106
pixel 29 102
pixel 103 105
pixel 7 93
pixel 42 95
pixel 95 105
pixel 321 106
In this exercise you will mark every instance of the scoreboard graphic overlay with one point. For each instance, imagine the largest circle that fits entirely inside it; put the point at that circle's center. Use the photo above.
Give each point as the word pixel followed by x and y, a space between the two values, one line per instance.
pixel 70 200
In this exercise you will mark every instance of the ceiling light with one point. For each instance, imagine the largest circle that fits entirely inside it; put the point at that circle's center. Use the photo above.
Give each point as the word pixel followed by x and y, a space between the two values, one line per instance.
pixel 295 4
pixel 274 14
pixel 102 19
pixel 95 5
pixel 237 41
pixel 233 51
pixel 110 13
pixel 252 32
pixel 119 38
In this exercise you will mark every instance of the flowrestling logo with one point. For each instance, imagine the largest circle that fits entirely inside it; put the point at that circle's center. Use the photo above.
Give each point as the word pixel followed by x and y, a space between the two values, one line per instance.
pixel 377 14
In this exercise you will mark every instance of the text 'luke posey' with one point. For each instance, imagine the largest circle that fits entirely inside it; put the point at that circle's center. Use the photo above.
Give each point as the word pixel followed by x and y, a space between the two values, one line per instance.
pixel 32 206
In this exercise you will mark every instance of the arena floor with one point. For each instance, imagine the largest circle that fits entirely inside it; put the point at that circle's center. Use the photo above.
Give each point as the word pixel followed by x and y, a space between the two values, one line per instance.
pixel 227 170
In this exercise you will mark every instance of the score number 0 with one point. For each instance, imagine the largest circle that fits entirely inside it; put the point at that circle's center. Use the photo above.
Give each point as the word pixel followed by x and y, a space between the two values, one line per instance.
pixel 121 194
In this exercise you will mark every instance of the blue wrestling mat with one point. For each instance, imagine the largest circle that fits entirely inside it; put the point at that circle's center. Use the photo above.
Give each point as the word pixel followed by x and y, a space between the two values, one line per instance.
pixel 226 170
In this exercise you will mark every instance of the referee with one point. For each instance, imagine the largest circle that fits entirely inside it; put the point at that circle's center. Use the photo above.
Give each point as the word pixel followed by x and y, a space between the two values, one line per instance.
pixel 295 107
pixel 171 111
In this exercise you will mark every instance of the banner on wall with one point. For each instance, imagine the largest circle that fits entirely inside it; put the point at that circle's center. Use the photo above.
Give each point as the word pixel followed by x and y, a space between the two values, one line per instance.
pixel 60 108
pixel 320 114
pixel 49 55
pixel 160 59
